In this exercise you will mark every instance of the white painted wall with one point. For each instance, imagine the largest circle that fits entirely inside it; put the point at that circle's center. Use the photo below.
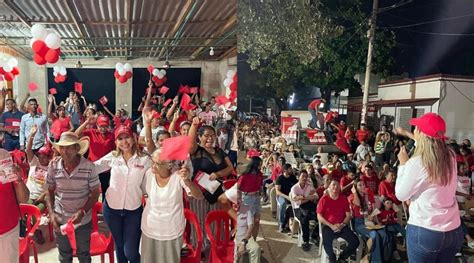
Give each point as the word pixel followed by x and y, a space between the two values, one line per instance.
pixel 457 110
pixel 212 76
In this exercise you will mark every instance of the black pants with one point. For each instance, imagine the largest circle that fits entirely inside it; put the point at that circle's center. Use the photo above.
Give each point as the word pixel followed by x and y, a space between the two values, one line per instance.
pixel 346 234
pixel 104 182
pixel 305 215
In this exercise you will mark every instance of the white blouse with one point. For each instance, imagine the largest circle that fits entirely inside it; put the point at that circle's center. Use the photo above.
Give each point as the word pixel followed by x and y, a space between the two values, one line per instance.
pixel 126 178
pixel 432 206
pixel 163 216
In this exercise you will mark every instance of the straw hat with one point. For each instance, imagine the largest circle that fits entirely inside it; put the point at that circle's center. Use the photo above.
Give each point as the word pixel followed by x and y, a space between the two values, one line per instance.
pixel 70 138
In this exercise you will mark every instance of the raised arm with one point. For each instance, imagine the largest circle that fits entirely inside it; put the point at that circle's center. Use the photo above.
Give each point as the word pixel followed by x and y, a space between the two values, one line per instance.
pixel 3 94
pixel 172 127
pixel 83 126
pixel 148 94
pixel 170 112
pixel 29 144
pixel 23 107
pixel 147 118
pixel 50 106
pixel 193 135
pixel 108 111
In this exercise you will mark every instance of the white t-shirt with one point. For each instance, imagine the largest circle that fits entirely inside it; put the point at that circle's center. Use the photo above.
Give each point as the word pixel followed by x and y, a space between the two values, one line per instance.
pixel 432 206
pixel 36 178
pixel 207 117
pixel 464 185
pixel 163 217
pixel 223 137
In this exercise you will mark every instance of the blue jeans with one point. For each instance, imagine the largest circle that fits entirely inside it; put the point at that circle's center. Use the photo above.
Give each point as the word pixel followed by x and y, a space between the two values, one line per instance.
pixel 426 245
pixel 125 228
pixel 314 119
pixel 282 205
pixel 379 238
pixel 396 228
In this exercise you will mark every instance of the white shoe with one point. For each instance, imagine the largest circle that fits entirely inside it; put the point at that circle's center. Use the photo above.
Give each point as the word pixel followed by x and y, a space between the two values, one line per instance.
pixel 459 254
pixel 470 244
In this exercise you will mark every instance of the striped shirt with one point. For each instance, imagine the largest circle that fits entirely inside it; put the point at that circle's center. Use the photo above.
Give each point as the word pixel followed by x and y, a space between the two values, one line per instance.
pixel 72 190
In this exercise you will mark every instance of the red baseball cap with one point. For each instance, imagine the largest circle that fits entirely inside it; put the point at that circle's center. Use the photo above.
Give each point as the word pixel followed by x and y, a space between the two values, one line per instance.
pixel 46 150
pixel 103 120
pixel 156 115
pixel 123 129
pixel 431 124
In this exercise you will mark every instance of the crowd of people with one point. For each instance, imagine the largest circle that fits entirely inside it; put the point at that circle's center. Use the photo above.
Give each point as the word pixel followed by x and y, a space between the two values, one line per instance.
pixel 380 191
pixel 77 153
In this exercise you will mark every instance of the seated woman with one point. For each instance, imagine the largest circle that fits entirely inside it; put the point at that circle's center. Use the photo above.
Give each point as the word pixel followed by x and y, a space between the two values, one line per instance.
pixel 163 219
pixel 362 202
pixel 334 215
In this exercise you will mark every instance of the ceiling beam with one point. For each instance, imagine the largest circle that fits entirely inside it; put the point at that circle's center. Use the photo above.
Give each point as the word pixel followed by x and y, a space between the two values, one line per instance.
pixel 70 7
pixel 18 12
pixel 184 12
pixel 231 22
pixel 129 6
pixel 227 53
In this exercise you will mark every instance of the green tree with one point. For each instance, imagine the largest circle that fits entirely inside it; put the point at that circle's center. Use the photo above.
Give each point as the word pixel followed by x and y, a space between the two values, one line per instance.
pixel 319 43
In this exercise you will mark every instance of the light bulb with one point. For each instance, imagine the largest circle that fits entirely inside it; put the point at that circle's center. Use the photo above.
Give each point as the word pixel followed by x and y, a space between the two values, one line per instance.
pixel 211 52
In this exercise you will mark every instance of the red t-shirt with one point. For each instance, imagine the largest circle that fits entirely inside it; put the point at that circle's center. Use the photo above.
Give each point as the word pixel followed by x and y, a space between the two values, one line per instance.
pixel 320 191
pixel 345 181
pixel 371 182
pixel 334 211
pixel 276 171
pixel 332 115
pixel 362 135
pixel 388 190
pixel 250 183
pixel 10 211
pixel 356 209
pixel 59 126
pixel 314 104
pixel 100 145
pixel 387 217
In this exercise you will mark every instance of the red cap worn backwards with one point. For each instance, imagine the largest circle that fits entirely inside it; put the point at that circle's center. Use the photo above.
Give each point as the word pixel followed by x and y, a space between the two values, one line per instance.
pixel 431 124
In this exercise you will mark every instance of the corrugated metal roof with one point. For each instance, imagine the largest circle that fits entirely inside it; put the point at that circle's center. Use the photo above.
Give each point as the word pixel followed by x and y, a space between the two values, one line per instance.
pixel 126 28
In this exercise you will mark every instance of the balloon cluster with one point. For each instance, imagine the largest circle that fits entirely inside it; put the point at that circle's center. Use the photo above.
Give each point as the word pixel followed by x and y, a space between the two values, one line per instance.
pixel 231 85
pixel 45 44
pixel 10 69
pixel 123 72
pixel 159 76
pixel 59 73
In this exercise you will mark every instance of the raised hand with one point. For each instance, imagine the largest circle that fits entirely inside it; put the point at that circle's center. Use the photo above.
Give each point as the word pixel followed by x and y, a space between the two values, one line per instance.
pixel 34 130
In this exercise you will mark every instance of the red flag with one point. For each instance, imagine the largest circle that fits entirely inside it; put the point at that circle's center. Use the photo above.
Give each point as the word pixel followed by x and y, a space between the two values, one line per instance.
pixel 150 68
pixel 185 100
pixel 164 89
pixel 175 148
pixel 32 86
pixel 53 91
pixel 221 100
pixel 78 87
pixel 183 89
pixel 103 100
pixel 167 102
pixel 193 90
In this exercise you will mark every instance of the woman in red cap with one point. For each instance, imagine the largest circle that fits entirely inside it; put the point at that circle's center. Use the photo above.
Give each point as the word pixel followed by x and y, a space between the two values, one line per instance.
pixel 123 200
pixel 428 179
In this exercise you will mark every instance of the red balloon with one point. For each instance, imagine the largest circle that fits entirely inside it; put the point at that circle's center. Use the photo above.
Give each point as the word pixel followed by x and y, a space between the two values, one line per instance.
pixel 39 59
pixel 15 71
pixel 150 69
pixel 52 56
pixel 233 86
pixel 116 74
pixel 128 74
pixel 62 78
pixel 8 76
pixel 39 47
pixel 56 79
pixel 122 79
pixel 235 78
pixel 2 71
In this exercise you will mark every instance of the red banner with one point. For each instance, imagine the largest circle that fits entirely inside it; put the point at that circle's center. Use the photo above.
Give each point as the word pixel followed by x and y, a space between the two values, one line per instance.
pixel 316 137
pixel 289 127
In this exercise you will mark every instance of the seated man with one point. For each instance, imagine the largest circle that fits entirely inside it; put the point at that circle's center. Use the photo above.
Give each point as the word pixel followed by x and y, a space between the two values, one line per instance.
pixel 283 186
pixel 334 215
pixel 303 196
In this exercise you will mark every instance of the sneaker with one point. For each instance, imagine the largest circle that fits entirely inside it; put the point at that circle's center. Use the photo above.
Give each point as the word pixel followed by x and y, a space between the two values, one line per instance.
pixel 306 246
pixel 284 230
pixel 396 255
pixel 470 244
pixel 459 254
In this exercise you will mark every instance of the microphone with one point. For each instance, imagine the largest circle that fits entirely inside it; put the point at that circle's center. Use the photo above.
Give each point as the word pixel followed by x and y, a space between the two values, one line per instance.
pixel 410 147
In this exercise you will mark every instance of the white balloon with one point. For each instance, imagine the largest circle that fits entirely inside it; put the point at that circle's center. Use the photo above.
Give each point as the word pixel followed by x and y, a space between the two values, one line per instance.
pixel 160 76
pixel 62 68
pixel 163 72
pixel 55 73
pixel 63 71
pixel 230 73
pixel 227 82
pixel 118 66
pixel 56 68
pixel 7 68
pixel 156 72
pixel 32 41
pixel 127 67
pixel 38 31
pixel 53 41
pixel 12 62
pixel 121 72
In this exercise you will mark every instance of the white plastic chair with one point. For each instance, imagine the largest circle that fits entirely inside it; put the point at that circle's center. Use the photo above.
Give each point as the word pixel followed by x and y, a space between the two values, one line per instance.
pixel 337 245
pixel 300 227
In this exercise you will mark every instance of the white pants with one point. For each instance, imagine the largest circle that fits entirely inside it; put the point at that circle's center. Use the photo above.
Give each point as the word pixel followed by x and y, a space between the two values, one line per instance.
pixel 9 245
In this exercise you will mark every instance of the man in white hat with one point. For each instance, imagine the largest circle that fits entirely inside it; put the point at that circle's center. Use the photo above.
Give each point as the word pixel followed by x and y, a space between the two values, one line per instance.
pixel 73 189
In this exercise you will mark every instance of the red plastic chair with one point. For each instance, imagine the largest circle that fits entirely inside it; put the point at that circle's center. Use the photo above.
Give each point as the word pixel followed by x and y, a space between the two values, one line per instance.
pixel 222 247
pixel 229 183
pixel 30 211
pixel 195 253
pixel 100 243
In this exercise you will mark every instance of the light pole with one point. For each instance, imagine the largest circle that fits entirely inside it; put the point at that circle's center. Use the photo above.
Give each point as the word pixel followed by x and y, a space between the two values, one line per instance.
pixel 368 68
